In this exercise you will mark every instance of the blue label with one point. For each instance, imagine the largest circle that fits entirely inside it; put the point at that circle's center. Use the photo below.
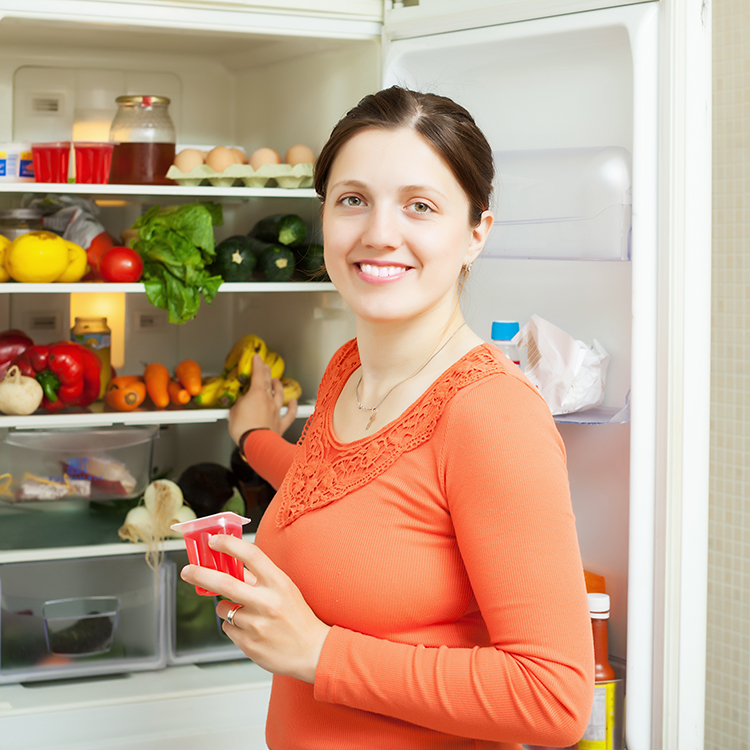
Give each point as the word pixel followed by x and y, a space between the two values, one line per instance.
pixel 26 166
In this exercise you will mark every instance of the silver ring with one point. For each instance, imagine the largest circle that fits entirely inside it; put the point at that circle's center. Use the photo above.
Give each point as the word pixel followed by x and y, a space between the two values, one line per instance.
pixel 232 612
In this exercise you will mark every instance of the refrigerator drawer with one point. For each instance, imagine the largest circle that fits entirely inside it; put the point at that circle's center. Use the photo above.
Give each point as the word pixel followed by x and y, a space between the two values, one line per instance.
pixel 80 617
pixel 194 633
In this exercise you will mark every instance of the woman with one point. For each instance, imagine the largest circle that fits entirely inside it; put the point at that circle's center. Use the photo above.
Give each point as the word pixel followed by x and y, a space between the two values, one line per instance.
pixel 416 581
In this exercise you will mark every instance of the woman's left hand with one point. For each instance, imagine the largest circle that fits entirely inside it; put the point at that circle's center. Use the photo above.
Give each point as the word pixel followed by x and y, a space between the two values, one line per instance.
pixel 275 626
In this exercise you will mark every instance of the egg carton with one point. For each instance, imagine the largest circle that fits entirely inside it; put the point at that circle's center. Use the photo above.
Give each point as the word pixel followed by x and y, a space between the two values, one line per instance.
pixel 269 175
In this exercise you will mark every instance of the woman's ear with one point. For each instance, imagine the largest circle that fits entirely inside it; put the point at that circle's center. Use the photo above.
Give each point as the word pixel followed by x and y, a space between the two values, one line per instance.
pixel 479 235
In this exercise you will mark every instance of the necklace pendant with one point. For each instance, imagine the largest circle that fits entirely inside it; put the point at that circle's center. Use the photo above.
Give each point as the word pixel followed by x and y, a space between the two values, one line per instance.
pixel 371 419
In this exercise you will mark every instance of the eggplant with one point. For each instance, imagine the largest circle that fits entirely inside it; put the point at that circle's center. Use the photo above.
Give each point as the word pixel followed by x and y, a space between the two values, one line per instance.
pixel 256 492
pixel 207 487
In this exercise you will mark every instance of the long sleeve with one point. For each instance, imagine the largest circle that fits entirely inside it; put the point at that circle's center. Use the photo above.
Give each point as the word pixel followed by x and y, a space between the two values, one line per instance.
pixel 270 455
pixel 503 470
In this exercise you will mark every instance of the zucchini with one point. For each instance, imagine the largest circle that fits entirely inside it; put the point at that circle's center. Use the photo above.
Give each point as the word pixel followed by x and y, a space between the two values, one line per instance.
pixel 277 263
pixel 235 259
pixel 284 229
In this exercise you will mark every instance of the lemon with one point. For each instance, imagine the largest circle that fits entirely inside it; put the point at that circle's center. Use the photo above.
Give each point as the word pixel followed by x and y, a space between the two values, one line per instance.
pixel 4 244
pixel 77 264
pixel 37 257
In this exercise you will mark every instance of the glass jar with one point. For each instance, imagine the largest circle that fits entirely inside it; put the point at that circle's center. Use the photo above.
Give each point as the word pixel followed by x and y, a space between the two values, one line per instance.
pixel 17 221
pixel 144 138
pixel 95 334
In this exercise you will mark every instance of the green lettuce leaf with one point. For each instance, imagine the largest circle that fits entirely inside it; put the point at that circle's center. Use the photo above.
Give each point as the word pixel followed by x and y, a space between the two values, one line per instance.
pixel 177 244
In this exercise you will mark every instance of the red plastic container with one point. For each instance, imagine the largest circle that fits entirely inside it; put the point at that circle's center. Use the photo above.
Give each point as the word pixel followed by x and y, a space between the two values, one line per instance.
pixel 51 161
pixel 93 162
pixel 196 535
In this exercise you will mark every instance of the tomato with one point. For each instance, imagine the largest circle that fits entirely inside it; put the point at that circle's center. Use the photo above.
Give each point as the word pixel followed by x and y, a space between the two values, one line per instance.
pixel 122 265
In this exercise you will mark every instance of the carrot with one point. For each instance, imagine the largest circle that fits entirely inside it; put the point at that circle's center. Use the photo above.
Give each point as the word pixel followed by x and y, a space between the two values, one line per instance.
pixel 188 372
pixel 156 377
pixel 125 393
pixel 177 394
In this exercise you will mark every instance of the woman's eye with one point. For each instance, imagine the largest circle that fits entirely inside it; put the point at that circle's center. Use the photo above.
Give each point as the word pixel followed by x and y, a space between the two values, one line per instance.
pixel 421 208
pixel 351 200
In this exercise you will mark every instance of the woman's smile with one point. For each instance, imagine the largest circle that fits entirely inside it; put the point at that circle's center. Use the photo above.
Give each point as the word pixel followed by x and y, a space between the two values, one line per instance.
pixel 378 273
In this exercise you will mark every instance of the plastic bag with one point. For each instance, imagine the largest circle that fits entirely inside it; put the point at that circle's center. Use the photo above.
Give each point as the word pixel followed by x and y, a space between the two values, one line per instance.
pixel 569 375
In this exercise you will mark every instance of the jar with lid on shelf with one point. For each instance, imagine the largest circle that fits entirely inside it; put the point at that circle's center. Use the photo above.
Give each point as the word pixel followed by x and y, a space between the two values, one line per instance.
pixel 95 334
pixel 144 137
pixel 17 221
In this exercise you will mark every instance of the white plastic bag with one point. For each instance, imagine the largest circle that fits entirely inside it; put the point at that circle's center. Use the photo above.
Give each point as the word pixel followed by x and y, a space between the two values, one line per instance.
pixel 569 375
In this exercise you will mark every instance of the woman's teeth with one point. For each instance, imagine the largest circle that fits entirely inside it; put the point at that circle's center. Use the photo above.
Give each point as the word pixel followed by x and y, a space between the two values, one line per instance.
pixel 371 270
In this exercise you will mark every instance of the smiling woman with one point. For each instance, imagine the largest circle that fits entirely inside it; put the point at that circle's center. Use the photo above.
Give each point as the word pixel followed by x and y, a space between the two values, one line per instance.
pixel 416 581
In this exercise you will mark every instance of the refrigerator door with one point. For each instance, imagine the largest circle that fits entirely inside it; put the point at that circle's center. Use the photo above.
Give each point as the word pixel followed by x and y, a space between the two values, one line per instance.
pixel 571 85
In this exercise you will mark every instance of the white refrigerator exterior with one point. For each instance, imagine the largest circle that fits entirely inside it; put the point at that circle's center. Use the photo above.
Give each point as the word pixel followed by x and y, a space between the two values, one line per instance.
pixel 537 74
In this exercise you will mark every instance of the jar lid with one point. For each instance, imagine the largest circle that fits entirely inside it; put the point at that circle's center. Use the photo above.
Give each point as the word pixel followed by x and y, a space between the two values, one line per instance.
pixel 599 606
pixel 504 330
pixel 20 213
pixel 145 101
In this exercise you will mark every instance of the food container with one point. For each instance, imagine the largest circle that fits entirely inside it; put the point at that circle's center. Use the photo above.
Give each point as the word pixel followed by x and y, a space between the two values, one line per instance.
pixel 51 161
pixel 93 162
pixel 80 626
pixel 143 135
pixel 16 162
pixel 77 464
pixel 80 617
pixel 196 534
pixel 17 221
pixel 193 628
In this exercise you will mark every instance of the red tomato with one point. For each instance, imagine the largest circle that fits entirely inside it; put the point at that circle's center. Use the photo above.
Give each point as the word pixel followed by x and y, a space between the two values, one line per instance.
pixel 122 265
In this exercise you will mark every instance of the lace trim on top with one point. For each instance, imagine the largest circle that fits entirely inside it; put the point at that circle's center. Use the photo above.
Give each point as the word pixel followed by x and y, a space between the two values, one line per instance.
pixel 325 470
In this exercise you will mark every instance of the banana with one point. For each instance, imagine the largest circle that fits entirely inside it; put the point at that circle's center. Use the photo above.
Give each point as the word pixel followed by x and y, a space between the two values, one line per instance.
pixel 275 362
pixel 234 355
pixel 256 345
pixel 292 389
pixel 228 392
pixel 209 392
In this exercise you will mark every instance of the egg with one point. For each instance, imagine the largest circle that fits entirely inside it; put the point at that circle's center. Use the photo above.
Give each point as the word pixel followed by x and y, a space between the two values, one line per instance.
pixel 188 159
pixel 239 155
pixel 220 158
pixel 263 156
pixel 299 154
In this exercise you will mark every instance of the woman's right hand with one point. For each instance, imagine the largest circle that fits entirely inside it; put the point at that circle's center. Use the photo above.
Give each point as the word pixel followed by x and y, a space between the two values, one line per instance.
pixel 261 405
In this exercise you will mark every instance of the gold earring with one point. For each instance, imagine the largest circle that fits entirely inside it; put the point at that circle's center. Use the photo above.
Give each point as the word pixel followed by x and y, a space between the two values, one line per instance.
pixel 467 268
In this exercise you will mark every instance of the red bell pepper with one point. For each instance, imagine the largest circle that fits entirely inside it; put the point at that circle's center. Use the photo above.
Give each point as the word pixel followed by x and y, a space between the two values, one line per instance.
pixel 12 343
pixel 68 372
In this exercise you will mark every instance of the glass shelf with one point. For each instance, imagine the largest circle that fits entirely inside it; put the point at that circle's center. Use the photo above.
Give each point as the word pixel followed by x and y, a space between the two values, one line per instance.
pixel 11 287
pixel 96 416
pixel 596 415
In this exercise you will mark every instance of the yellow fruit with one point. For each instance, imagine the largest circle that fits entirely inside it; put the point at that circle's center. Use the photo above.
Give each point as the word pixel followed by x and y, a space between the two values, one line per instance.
pixel 4 245
pixel 292 389
pixel 78 265
pixel 275 362
pixel 255 345
pixel 37 257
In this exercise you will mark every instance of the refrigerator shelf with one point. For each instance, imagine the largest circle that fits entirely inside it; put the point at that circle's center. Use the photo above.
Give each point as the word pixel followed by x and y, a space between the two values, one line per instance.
pixel 93 288
pixel 596 415
pixel 95 416
pixel 151 191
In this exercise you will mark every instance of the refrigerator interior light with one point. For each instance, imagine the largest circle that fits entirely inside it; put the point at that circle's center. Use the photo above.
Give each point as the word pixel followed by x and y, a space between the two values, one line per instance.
pixel 109 305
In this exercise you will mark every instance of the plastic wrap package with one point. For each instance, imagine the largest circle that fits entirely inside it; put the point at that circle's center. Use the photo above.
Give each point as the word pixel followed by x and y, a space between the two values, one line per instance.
pixel 570 375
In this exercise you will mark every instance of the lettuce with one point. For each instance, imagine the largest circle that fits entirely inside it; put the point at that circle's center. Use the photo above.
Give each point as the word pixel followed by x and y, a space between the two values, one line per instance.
pixel 177 245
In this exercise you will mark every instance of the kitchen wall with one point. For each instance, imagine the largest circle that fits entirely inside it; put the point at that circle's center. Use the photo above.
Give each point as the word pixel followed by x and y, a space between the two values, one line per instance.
pixel 728 656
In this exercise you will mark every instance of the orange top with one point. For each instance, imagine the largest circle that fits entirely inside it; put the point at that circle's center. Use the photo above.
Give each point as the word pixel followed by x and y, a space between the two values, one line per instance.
pixel 443 551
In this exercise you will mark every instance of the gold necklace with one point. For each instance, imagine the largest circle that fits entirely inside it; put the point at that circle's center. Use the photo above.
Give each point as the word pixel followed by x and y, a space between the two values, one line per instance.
pixel 374 409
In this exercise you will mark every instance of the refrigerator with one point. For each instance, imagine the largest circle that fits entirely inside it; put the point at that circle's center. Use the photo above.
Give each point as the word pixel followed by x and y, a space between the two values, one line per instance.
pixel 599 116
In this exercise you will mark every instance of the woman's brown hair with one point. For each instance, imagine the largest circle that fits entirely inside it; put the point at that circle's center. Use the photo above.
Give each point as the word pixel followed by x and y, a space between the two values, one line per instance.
pixel 445 125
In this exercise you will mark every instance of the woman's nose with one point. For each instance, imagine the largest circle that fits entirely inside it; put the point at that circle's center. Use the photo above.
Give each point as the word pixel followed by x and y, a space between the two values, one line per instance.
pixel 381 229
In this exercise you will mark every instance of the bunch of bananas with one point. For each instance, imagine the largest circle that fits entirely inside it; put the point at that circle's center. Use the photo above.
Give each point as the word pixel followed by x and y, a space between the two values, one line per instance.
pixel 223 390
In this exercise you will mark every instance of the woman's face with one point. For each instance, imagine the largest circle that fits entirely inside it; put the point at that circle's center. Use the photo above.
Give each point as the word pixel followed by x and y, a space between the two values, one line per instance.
pixel 396 227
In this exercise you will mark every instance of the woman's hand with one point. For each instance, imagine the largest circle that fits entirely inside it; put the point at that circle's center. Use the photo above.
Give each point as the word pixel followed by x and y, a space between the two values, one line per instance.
pixel 261 405
pixel 274 626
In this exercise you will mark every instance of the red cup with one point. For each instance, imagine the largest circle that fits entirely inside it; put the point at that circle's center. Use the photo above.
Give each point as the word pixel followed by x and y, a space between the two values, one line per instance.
pixel 196 533
pixel 51 161
pixel 93 162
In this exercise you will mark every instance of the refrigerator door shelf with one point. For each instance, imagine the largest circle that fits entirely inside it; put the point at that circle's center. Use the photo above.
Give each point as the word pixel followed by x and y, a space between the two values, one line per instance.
pixel 562 204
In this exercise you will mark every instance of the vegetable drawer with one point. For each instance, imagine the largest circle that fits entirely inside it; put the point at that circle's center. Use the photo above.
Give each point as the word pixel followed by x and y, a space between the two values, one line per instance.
pixel 194 630
pixel 80 617
pixel 75 464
